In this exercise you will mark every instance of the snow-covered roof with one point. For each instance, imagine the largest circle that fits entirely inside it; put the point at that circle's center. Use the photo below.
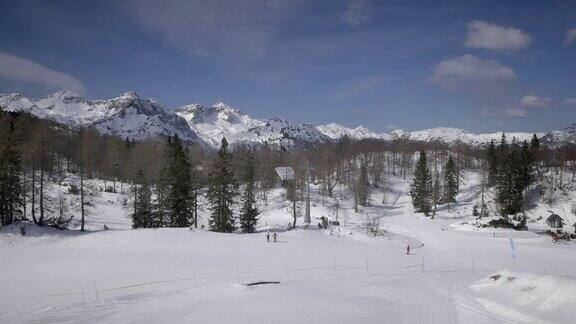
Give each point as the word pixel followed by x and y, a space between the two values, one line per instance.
pixel 285 173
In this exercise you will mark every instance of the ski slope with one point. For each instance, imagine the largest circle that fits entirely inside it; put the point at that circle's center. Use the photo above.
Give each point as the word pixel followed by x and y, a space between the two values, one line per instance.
pixel 338 275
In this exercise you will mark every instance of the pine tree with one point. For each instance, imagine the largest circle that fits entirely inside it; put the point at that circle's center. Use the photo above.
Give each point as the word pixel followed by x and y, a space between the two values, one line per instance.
pixel 221 192
pixel 11 187
pixel 421 188
pixel 510 183
pixel 492 157
pixel 363 185
pixel 451 186
pixel 142 216
pixel 534 142
pixel 175 202
pixel 181 199
pixel 249 213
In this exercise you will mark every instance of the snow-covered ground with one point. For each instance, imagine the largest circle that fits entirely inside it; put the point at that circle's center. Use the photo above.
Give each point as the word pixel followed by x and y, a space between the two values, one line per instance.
pixel 454 274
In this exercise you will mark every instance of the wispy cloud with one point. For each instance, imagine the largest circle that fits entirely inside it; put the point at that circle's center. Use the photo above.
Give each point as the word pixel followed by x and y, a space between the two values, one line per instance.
pixel 357 12
pixel 504 112
pixel 570 101
pixel 19 69
pixel 532 101
pixel 357 111
pixel 207 28
pixel 467 70
pixel 570 36
pixel 520 108
pixel 495 37
pixel 356 86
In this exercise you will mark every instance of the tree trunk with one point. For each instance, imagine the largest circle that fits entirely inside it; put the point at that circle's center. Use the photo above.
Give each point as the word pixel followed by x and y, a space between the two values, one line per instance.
pixel 82 211
pixel 41 220
pixel 294 213
pixel 34 193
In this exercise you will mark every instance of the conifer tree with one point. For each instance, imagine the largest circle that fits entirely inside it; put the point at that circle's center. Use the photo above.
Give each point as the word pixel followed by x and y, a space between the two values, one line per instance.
pixel 249 213
pixel 534 142
pixel 11 187
pixel 421 188
pixel 451 186
pixel 221 192
pixel 492 157
pixel 511 179
pixel 363 185
pixel 174 190
pixel 181 199
pixel 142 216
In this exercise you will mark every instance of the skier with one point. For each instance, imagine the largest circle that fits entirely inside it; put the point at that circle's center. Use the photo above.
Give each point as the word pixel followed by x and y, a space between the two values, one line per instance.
pixel 268 236
pixel 275 237
pixel 408 249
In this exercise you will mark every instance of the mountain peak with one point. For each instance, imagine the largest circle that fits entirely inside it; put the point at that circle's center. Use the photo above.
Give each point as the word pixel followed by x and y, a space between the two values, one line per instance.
pixel 65 94
pixel 129 95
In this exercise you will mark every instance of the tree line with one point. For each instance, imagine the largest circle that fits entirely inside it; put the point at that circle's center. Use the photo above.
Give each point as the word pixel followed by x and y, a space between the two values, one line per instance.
pixel 166 177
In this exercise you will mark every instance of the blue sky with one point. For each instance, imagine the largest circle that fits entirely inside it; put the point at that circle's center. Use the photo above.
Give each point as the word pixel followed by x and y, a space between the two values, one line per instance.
pixel 478 65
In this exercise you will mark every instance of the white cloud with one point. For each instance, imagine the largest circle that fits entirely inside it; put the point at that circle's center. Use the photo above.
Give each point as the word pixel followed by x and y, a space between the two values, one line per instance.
pixel 533 101
pixel 495 37
pixel 464 70
pixel 357 111
pixel 570 101
pixel 570 36
pixel 504 112
pixel 357 12
pixel 19 69
pixel 516 113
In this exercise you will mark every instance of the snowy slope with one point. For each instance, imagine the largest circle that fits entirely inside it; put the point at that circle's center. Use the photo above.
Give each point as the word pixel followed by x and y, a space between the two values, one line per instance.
pixel 339 275
pixel 559 138
pixel 127 116
pixel 280 133
pixel 211 123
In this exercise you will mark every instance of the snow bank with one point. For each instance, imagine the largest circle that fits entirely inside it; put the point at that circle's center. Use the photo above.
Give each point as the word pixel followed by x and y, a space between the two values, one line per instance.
pixel 522 296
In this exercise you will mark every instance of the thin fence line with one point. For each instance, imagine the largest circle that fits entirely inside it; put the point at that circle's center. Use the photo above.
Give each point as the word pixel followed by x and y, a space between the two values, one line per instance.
pixel 285 272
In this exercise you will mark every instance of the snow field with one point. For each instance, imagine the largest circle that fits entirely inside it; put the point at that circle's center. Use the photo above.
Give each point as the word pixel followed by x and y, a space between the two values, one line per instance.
pixel 339 275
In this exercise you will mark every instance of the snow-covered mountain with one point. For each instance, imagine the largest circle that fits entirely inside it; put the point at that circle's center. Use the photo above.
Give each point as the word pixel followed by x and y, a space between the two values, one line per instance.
pixel 335 131
pixel 442 134
pixel 457 135
pixel 280 133
pixel 127 116
pixel 130 116
pixel 211 123
pixel 559 138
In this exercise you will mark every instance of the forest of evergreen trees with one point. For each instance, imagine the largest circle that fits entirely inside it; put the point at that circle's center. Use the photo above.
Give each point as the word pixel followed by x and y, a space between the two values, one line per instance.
pixel 165 177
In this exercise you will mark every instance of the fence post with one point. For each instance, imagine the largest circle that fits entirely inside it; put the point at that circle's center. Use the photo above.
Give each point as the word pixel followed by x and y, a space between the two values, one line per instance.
pixel 366 259
pixel 237 274
pixel 286 270
pixel 96 292
pixel 334 266
pixel 422 266
pixel 82 290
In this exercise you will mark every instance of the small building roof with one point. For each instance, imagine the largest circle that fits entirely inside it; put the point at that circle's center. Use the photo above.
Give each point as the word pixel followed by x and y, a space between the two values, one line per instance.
pixel 285 173
pixel 554 217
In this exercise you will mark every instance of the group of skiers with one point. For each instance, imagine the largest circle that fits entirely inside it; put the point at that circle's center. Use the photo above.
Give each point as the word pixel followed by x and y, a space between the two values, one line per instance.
pixel 274 236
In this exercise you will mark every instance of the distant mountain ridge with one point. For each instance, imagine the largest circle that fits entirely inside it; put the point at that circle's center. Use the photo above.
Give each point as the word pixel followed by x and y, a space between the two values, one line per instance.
pixel 134 117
